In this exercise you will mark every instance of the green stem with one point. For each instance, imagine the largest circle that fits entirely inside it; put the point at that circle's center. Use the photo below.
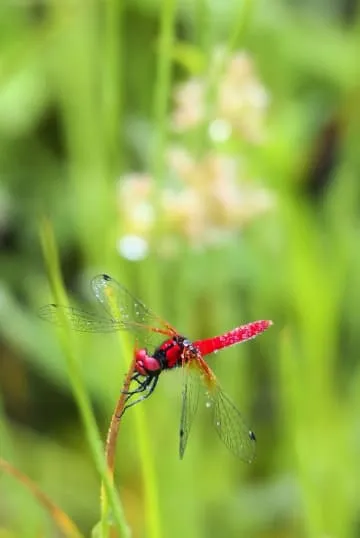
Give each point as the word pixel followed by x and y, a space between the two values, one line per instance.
pixel 148 471
pixel 162 87
pixel 81 397
pixel 60 518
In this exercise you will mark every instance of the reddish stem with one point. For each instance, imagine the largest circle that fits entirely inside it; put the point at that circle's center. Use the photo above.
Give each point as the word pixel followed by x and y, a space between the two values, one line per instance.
pixel 60 518
pixel 110 448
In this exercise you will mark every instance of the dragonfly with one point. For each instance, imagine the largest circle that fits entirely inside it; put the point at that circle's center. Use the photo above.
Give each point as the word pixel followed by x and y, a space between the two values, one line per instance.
pixel 160 347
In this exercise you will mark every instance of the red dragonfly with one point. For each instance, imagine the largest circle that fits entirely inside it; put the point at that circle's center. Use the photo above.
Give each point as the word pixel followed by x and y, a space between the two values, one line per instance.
pixel 126 312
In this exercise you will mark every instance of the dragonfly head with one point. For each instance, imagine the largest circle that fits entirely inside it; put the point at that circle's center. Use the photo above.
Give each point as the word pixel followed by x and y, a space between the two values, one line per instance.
pixel 190 350
pixel 146 364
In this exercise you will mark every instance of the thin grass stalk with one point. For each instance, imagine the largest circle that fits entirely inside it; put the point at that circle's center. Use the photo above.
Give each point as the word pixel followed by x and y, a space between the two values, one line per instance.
pixel 241 23
pixel 111 441
pixel 62 521
pixel 7 445
pixel 146 461
pixel 163 87
pixel 215 70
pixel 150 478
pixel 81 397
pixel 113 86
pixel 158 166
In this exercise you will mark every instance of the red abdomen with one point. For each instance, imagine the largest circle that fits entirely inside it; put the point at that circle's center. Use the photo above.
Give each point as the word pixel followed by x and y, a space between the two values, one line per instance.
pixel 240 334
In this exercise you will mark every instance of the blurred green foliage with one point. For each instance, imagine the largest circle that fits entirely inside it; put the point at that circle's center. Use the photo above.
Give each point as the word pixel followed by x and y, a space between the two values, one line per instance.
pixel 85 97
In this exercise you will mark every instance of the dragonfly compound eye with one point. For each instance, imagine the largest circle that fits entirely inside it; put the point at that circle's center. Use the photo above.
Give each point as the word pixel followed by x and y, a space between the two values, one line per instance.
pixel 140 358
pixel 146 364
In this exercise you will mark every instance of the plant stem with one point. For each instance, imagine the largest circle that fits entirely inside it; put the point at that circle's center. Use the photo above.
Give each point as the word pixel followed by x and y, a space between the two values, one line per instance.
pixel 60 518
pixel 162 88
pixel 81 397
pixel 110 447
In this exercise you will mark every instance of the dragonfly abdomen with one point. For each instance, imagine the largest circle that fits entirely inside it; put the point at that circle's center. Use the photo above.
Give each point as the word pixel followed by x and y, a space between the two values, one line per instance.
pixel 236 336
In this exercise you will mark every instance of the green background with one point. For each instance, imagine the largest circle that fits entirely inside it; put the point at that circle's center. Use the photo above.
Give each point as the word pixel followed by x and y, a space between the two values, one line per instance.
pixel 85 96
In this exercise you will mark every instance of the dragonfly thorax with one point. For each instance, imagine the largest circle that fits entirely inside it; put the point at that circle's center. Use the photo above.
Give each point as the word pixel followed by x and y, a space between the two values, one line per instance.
pixel 170 354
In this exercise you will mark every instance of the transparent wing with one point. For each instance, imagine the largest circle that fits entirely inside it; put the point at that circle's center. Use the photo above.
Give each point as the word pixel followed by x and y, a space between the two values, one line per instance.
pixel 78 319
pixel 121 304
pixel 131 313
pixel 230 425
pixel 124 312
pixel 190 401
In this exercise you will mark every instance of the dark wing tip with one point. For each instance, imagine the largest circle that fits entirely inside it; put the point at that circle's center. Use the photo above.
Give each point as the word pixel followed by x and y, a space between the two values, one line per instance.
pixel 182 444
pixel 252 438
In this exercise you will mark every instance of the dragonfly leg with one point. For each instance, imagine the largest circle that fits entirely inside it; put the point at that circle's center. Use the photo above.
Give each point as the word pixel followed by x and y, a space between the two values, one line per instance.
pixel 150 386
pixel 135 377
pixel 142 385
